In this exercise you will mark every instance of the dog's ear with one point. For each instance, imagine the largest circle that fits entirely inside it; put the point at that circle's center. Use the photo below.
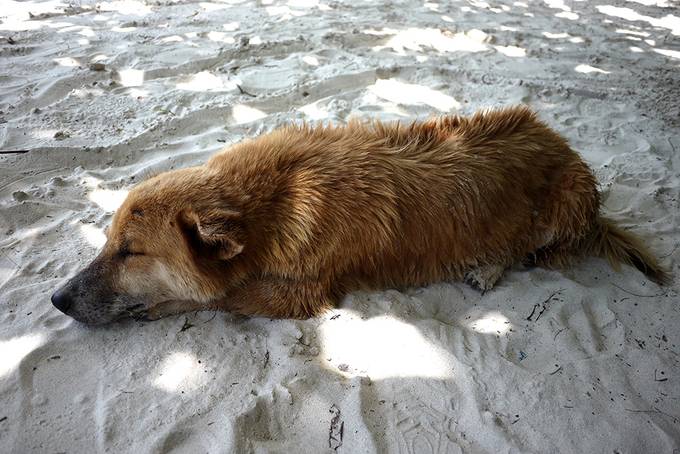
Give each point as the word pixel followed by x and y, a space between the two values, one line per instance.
pixel 217 232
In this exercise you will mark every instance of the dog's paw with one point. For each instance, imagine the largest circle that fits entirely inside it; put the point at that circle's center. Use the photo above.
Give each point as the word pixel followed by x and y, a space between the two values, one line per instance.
pixel 484 277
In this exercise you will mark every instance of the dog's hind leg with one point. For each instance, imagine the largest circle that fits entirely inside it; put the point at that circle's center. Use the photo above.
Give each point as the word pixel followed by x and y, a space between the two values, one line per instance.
pixel 484 277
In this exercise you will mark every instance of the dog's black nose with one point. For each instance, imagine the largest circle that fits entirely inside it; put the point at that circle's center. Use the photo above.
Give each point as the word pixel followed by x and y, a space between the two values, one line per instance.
pixel 61 300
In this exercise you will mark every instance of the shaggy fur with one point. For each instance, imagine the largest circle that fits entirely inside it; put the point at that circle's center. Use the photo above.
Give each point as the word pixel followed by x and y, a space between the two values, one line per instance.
pixel 285 224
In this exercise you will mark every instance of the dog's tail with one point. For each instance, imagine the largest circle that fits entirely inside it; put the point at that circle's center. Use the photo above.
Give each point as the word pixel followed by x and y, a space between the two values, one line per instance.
pixel 618 246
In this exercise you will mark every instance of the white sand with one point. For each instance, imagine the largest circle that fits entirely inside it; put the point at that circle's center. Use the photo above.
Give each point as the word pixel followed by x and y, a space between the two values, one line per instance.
pixel 596 368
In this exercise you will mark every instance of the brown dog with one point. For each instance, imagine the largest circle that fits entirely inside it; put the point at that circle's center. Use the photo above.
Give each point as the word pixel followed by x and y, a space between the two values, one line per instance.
pixel 285 224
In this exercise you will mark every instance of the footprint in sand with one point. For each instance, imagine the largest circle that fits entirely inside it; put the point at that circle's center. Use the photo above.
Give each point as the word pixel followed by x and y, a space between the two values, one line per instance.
pixel 581 328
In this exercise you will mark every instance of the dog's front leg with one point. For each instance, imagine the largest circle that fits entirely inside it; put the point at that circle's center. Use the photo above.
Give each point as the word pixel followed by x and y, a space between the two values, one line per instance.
pixel 276 297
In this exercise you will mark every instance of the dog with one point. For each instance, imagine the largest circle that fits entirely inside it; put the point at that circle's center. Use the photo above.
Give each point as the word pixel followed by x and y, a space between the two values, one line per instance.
pixel 285 224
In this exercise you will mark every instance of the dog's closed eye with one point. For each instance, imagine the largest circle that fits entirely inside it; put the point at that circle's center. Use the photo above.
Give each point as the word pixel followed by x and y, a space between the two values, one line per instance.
pixel 125 252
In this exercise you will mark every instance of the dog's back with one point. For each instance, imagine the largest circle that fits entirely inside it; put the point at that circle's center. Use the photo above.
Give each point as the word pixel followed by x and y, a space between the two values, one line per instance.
pixel 394 204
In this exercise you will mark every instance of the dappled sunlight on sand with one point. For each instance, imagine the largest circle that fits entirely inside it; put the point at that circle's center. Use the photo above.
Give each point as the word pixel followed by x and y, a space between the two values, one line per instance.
pixel 668 53
pixel 669 21
pixel 179 371
pixel 131 77
pixel 206 81
pixel 310 60
pixel 314 111
pixel 420 39
pixel 94 235
pixel 17 15
pixel 108 199
pixel 511 51
pixel 246 114
pixel 12 351
pixel 490 323
pixel 382 347
pixel 587 69
pixel 67 61
pixel 405 93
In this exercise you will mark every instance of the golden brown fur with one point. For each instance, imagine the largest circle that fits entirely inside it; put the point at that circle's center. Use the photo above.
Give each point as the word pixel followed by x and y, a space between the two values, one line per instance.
pixel 283 225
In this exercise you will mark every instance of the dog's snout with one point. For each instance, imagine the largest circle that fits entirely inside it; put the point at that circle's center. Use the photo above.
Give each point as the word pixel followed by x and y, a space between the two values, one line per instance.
pixel 62 300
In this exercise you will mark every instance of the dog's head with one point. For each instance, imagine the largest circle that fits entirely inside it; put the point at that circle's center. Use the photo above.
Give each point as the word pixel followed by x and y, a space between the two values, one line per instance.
pixel 166 243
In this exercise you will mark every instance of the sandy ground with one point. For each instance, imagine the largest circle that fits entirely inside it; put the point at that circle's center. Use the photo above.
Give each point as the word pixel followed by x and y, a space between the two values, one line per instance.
pixel 103 94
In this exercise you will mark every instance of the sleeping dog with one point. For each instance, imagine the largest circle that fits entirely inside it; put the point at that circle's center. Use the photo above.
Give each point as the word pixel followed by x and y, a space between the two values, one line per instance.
pixel 285 224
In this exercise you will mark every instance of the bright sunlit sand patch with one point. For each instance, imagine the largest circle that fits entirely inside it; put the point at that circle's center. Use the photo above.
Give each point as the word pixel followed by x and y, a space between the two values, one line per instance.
pixel 18 15
pixel 669 21
pixel 206 81
pixel 87 32
pixel 178 371
pixel 632 32
pixel 668 53
pixel 284 12
pixel 47 133
pixel 220 37
pixel 67 61
pixel 108 199
pixel 95 236
pixel 131 7
pixel 87 92
pixel 556 35
pixel 14 350
pixel 419 39
pixel 491 323
pixel 172 39
pixel 246 114
pixel 587 69
pixel 511 51
pixel 311 60
pixel 567 15
pixel 382 347
pixel 404 93
pixel 314 111
pixel 131 77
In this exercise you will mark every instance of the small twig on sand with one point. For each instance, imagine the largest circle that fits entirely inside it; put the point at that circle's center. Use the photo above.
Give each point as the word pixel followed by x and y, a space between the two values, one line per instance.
pixel 639 296
pixel 243 92
pixel 336 431
pixel 556 370
pixel 186 325
pixel 653 410
pixel 542 306
pixel 14 151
